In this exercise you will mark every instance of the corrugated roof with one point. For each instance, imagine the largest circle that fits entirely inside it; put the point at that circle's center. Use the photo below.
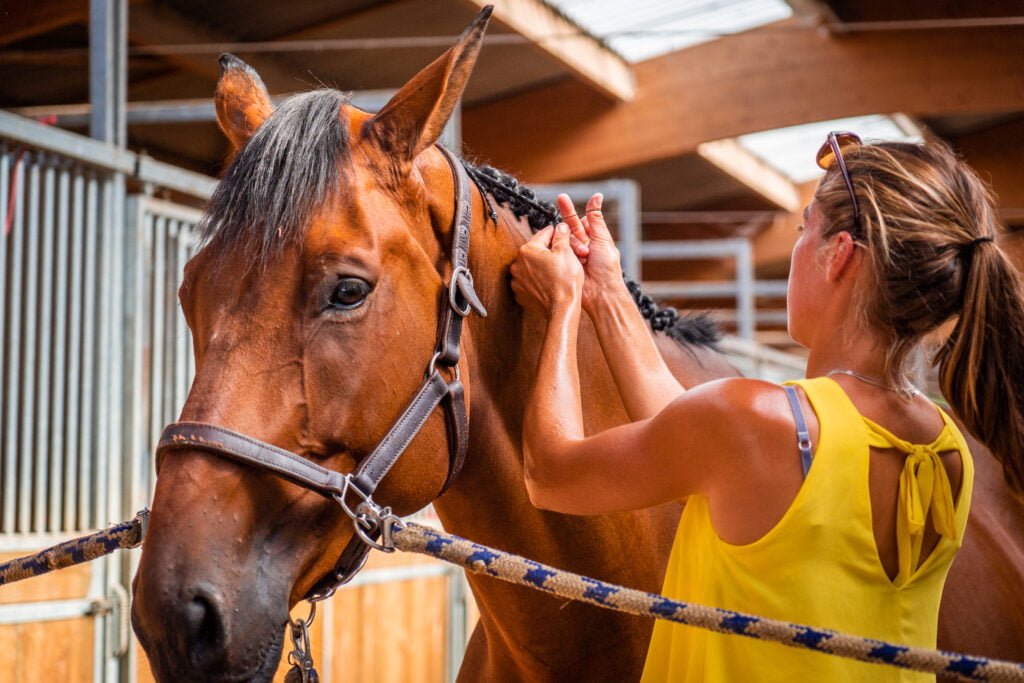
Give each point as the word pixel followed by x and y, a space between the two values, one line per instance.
pixel 642 29
pixel 791 150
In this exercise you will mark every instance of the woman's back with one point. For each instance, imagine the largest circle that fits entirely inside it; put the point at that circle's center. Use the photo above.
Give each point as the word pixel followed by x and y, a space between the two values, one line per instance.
pixel 817 565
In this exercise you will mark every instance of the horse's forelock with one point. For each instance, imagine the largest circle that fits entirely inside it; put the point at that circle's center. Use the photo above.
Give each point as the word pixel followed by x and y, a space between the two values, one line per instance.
pixel 282 177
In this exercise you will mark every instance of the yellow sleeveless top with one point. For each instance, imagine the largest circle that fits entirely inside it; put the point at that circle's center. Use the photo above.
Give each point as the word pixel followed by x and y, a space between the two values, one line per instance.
pixel 819 564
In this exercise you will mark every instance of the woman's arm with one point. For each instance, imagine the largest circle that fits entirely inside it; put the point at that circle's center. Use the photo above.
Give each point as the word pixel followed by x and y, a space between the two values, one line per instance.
pixel 644 381
pixel 682 450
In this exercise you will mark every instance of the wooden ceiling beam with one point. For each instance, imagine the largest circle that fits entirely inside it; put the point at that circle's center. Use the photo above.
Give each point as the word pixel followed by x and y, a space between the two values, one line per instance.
pixel 779 75
pixel 24 19
pixel 997 154
pixel 150 24
pixel 752 172
pixel 551 32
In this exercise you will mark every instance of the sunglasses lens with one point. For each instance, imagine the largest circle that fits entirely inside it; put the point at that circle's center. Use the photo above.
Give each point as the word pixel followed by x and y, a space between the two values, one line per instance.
pixel 826 157
pixel 836 141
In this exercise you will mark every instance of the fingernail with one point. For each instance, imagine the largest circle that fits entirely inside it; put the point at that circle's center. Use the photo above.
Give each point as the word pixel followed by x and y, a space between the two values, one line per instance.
pixel 562 227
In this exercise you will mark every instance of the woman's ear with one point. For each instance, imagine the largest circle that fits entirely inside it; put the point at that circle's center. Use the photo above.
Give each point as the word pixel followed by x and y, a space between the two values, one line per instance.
pixel 842 256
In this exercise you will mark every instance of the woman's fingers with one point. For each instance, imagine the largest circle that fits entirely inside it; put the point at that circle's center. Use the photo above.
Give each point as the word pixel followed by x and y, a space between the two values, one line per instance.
pixel 569 215
pixel 561 240
pixel 581 250
pixel 596 227
pixel 543 236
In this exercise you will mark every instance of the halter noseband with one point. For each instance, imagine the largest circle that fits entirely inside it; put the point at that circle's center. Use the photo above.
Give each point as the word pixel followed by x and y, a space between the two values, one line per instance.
pixel 369 519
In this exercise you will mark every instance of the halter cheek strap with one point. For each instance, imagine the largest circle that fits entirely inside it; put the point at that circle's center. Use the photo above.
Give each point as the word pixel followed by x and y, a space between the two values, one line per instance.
pixel 370 520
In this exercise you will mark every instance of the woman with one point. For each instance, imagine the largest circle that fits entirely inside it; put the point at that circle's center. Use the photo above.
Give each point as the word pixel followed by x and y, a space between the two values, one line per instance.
pixel 839 500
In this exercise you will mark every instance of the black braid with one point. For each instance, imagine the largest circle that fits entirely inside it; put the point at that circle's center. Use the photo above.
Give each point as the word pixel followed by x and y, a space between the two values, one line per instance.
pixel 692 329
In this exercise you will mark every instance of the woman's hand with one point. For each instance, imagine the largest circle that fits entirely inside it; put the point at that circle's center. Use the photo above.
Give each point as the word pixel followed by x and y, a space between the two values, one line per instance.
pixel 547 275
pixel 593 244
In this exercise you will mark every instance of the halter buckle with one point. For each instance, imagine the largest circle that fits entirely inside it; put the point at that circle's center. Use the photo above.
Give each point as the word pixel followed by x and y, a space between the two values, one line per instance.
pixel 461 285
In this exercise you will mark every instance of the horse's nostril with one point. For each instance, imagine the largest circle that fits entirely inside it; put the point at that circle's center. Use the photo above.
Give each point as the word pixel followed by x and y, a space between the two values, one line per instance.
pixel 205 630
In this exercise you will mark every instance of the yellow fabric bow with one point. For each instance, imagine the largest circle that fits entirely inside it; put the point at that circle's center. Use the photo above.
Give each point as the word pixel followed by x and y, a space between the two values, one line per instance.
pixel 924 487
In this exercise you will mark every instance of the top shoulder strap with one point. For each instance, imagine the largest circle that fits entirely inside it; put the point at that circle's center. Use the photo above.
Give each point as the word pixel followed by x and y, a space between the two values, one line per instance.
pixel 803 436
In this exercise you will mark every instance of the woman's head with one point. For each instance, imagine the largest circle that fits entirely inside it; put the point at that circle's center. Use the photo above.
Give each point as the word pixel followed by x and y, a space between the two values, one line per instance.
pixel 928 223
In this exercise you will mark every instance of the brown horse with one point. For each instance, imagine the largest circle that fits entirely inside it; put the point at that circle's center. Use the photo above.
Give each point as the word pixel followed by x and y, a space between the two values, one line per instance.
pixel 314 308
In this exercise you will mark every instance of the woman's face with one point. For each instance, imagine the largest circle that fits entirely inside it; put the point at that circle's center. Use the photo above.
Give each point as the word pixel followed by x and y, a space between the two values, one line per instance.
pixel 806 278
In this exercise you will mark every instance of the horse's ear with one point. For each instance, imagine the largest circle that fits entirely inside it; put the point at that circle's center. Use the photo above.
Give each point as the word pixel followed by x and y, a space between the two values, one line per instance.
pixel 241 100
pixel 414 118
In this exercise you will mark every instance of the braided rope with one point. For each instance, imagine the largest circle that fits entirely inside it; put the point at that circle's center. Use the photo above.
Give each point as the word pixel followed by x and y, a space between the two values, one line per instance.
pixel 480 559
pixel 124 535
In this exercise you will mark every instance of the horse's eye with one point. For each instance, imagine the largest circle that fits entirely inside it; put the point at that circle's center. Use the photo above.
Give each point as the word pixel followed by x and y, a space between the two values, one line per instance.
pixel 349 293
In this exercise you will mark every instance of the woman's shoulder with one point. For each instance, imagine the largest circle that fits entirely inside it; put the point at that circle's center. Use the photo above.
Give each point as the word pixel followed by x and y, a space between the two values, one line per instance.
pixel 734 395
pixel 745 411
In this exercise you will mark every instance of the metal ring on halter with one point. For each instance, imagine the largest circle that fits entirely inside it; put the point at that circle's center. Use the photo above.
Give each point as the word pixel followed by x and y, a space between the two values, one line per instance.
pixel 300 656
pixel 432 366
pixel 455 288
pixel 347 485
pixel 372 518
pixel 368 517
pixel 308 620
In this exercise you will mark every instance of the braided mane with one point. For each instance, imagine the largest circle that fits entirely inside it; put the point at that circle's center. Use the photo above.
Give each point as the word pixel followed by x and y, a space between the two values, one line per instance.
pixel 692 329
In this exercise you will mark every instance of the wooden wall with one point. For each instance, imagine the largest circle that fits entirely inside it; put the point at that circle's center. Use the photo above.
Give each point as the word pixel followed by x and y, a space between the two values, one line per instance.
pixel 393 632
pixel 379 633
pixel 50 650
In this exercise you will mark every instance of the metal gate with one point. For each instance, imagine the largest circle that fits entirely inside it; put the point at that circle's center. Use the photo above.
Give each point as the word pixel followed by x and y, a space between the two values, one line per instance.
pixel 67 365
pixel 96 359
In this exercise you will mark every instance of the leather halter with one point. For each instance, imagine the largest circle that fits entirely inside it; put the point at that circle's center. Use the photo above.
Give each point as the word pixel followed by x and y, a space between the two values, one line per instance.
pixel 368 518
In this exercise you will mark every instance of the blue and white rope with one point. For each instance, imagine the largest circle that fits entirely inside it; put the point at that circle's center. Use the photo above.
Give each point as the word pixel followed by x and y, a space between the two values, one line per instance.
pixel 124 535
pixel 481 559
pixel 411 537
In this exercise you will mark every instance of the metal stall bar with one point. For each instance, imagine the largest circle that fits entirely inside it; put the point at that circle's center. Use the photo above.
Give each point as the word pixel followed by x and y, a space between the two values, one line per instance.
pixel 103 325
pixel 43 449
pixel 135 297
pixel 28 348
pixel 738 248
pixel 107 70
pixel 8 464
pixel 182 233
pixel 59 384
pixel 75 294
pixel 88 356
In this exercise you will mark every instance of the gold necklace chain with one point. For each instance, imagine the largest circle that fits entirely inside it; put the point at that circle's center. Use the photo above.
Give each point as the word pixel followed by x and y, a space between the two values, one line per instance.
pixel 908 391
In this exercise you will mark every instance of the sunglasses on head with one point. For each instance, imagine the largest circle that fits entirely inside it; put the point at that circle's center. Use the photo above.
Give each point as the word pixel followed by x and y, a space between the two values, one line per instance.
pixel 831 152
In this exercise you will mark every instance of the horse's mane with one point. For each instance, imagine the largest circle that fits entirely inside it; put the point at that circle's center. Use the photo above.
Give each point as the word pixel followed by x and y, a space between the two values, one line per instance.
pixel 282 176
pixel 286 172
pixel 694 328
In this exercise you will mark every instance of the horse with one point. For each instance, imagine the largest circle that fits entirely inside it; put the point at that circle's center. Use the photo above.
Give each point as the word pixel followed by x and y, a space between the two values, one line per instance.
pixel 314 306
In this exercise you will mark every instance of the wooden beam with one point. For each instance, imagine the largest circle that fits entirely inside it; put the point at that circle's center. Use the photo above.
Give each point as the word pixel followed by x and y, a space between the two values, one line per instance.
pixel 817 12
pixel 751 171
pixel 554 34
pixel 20 19
pixel 997 154
pixel 778 75
pixel 150 24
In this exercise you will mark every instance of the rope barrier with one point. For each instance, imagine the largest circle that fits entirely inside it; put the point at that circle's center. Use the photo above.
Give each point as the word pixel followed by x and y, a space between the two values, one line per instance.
pixel 124 535
pixel 480 559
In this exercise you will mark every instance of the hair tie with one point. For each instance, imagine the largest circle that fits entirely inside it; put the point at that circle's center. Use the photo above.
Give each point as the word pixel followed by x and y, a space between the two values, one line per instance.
pixel 968 247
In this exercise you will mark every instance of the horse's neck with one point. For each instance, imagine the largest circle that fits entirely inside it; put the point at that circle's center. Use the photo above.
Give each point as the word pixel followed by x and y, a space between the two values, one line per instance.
pixel 489 504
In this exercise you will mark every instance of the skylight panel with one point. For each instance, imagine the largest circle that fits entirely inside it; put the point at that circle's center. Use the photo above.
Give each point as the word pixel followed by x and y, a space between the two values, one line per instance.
pixel 644 29
pixel 791 150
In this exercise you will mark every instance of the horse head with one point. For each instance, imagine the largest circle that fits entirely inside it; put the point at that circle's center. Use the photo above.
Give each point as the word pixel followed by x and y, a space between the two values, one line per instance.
pixel 314 307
